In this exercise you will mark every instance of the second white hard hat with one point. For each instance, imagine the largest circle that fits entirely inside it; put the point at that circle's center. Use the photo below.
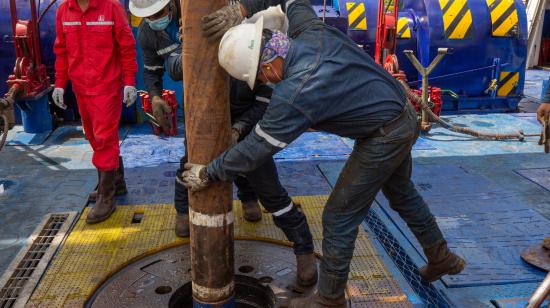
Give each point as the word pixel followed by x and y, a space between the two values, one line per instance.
pixel 146 8
pixel 239 52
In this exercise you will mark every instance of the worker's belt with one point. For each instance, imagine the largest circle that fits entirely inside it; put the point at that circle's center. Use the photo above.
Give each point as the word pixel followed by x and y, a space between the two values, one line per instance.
pixel 392 125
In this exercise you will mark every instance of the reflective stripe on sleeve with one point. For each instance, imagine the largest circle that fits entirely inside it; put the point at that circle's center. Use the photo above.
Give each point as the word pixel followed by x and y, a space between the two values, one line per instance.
pixel 274 142
pixel 72 23
pixel 288 3
pixel 263 99
pixel 168 49
pixel 153 68
pixel 284 211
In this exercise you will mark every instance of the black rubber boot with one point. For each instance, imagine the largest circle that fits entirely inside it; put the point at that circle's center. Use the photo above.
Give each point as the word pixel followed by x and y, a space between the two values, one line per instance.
pixel 182 225
pixel 307 269
pixel 105 205
pixel 441 262
pixel 252 211
pixel 119 180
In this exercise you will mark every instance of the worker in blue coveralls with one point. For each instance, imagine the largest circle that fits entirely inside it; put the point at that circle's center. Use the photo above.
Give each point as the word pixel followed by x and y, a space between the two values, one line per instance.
pixel 322 80
pixel 159 38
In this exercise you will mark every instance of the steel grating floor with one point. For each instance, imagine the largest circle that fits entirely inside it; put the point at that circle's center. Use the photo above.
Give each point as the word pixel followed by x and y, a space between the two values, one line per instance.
pixel 92 253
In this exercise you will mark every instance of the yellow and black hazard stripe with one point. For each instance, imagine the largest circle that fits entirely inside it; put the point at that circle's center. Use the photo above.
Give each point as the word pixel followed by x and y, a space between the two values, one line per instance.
pixel 403 28
pixel 508 83
pixel 504 18
pixel 357 20
pixel 457 18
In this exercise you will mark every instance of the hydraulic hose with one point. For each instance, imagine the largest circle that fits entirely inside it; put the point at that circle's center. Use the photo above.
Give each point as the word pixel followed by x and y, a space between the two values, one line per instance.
pixel 462 130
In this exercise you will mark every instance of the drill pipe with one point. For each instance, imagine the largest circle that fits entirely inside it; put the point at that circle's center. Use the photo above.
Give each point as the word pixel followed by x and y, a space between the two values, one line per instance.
pixel 208 134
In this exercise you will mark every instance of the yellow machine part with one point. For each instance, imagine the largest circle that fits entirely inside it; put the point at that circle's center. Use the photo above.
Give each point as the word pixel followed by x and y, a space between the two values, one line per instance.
pixel 357 19
pixel 91 253
pixel 457 18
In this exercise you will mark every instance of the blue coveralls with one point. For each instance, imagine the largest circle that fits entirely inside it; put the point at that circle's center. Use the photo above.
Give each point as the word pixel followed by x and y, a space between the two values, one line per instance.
pixel 330 84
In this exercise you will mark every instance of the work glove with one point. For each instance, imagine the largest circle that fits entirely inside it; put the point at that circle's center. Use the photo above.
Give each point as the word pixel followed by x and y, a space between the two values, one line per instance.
pixel 216 24
pixel 130 95
pixel 235 135
pixel 162 113
pixel 195 177
pixel 543 112
pixel 58 100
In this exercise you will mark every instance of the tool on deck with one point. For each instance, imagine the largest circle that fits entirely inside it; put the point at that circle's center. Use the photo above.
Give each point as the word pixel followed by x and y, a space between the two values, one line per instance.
pixel 545 134
pixel 170 98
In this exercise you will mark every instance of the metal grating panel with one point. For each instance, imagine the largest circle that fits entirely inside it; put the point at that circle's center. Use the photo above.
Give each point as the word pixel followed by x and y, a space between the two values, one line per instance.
pixel 404 263
pixel 20 279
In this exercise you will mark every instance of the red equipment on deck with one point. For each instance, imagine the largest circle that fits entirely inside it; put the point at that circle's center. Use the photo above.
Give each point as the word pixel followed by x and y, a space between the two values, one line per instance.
pixel 170 98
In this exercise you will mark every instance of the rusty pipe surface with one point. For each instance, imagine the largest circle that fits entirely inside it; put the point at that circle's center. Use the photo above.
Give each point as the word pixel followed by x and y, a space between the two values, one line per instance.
pixel 540 294
pixel 208 134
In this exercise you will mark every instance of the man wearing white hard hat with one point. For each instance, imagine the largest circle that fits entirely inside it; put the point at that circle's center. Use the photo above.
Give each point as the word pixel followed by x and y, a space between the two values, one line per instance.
pixel 321 79
pixel 247 108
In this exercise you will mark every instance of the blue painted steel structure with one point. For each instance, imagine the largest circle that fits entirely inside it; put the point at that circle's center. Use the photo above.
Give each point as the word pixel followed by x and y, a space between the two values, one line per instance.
pixel 476 60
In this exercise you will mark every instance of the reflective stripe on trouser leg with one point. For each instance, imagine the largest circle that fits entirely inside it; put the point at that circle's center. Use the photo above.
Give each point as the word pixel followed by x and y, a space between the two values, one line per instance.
pixel 103 117
pixel 294 225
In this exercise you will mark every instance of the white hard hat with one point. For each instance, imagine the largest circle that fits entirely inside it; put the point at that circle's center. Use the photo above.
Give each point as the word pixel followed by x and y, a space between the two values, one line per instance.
pixel 239 52
pixel 146 8
pixel 274 19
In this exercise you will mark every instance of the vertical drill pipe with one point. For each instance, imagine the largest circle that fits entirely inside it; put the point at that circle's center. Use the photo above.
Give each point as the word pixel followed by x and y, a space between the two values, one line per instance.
pixel 207 126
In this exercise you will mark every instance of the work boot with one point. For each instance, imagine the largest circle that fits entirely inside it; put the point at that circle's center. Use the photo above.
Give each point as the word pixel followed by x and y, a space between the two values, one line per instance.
pixel 119 182
pixel 441 261
pixel 182 225
pixel 252 211
pixel 317 301
pixel 307 269
pixel 105 205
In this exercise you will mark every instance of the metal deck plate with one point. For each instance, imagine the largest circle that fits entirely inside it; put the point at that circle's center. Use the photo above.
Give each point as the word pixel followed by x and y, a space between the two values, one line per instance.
pixel 92 252
pixel 482 222
pixel 538 176
pixel 313 145
pixel 153 280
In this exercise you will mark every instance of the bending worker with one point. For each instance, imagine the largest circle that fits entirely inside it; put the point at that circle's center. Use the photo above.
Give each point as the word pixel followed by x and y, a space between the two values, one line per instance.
pixel 95 49
pixel 157 34
pixel 322 80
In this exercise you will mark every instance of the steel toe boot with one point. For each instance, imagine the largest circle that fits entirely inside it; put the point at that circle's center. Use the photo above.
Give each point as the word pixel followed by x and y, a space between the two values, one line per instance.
pixel 105 204
pixel 182 225
pixel 252 211
pixel 317 301
pixel 307 269
pixel 119 182
pixel 441 261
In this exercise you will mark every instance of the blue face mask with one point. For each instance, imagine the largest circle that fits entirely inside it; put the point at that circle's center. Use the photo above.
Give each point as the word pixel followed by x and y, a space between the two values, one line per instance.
pixel 161 23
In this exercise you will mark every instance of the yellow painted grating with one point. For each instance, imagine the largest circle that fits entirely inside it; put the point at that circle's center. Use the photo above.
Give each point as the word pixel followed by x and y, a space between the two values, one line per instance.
pixel 92 252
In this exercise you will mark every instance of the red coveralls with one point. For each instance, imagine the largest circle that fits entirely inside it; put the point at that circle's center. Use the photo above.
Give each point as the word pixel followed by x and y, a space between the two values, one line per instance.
pixel 96 50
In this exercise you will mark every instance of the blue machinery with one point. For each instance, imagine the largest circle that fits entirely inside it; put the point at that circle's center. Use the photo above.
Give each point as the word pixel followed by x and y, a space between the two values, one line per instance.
pixel 485 73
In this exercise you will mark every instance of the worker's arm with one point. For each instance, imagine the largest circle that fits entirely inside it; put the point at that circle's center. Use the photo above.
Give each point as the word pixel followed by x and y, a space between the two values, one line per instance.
pixel 153 65
pixel 126 45
pixel 281 124
pixel 245 123
pixel 60 50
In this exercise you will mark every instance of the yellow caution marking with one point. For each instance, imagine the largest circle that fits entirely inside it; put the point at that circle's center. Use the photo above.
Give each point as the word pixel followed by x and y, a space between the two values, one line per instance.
pixel 403 28
pixel 504 18
pixel 508 83
pixel 457 18
pixel 357 20
pixel 91 253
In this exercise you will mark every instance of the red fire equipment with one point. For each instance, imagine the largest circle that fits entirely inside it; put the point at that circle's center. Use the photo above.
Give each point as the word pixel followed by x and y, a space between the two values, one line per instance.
pixel 170 98
pixel 435 100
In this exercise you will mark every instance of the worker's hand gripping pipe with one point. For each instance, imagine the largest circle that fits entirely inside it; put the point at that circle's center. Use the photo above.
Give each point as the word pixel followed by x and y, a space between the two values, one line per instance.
pixel 428 113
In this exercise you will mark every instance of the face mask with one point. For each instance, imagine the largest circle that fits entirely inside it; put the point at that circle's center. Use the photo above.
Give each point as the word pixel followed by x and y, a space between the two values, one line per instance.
pixel 161 23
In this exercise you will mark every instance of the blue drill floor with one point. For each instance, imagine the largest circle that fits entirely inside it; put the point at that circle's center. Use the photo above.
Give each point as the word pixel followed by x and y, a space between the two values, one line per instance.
pixel 492 199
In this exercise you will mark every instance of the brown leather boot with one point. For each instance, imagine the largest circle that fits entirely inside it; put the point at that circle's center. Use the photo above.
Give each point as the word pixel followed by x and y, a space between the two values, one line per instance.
pixel 105 205
pixel 182 225
pixel 317 301
pixel 119 180
pixel 307 269
pixel 441 261
pixel 252 211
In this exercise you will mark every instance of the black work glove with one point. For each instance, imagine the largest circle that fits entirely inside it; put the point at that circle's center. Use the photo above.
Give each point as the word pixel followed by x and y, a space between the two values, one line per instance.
pixel 216 24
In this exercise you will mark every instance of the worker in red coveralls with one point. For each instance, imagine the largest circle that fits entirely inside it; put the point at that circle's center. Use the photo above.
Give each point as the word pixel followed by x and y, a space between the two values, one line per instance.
pixel 95 49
